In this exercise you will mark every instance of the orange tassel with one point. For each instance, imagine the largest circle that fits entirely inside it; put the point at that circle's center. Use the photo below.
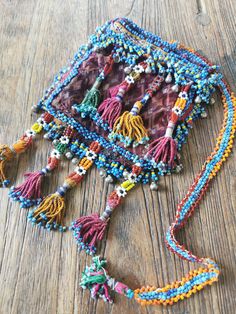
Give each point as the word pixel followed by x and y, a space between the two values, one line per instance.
pixel 7 153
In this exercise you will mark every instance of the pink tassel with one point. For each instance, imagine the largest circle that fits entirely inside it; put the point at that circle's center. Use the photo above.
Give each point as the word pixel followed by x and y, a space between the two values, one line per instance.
pixel 31 188
pixel 29 192
pixel 164 149
pixel 110 109
pixel 88 230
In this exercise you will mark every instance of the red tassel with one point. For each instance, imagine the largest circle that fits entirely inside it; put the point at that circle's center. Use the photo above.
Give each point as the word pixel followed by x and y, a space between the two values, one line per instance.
pixel 110 109
pixel 164 150
pixel 88 230
pixel 29 192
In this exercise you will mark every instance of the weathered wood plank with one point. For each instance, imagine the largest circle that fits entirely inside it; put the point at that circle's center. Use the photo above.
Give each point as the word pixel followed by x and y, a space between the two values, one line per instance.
pixel 39 271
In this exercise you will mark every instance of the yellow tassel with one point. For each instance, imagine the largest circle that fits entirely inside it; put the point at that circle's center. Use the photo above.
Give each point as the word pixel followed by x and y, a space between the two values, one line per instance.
pixel 130 128
pixel 6 154
pixel 49 213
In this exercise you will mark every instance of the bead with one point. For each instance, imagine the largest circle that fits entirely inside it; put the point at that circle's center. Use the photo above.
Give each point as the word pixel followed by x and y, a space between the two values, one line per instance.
pixel 168 79
pixel 102 173
pixel 109 179
pixel 198 100
pixel 204 115
pixel 153 186
pixel 75 161
pixel 69 155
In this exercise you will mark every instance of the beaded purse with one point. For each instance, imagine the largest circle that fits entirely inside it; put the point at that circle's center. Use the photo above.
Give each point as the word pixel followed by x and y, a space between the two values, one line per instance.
pixel 125 103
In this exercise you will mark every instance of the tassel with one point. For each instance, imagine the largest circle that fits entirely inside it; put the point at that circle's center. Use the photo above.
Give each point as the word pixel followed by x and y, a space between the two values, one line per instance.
pixel 129 127
pixel 50 212
pixel 29 192
pixel 96 279
pixel 90 229
pixel 92 97
pixel 7 153
pixel 91 100
pixel 164 149
pixel 110 109
pixel 87 231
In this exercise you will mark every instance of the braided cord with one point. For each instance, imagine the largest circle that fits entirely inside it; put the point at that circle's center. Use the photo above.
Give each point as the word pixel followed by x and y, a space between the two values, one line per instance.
pixel 197 279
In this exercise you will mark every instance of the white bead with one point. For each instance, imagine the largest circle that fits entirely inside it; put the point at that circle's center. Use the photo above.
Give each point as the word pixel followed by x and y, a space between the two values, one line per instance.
pixel 75 160
pixel 198 99
pixel 168 78
pixel 153 186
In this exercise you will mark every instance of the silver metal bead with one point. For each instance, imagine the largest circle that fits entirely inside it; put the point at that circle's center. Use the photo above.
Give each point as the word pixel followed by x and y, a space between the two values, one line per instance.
pixel 154 186
pixel 116 59
pixel 127 70
pixel 34 108
pixel 212 100
pixel 197 100
pixel 75 161
pixel 109 179
pixel 69 155
pixel 102 172
pixel 175 88
pixel 204 115
pixel 148 70
pixel 125 173
pixel 179 168
pixel 55 142
pixel 46 136
pixel 168 79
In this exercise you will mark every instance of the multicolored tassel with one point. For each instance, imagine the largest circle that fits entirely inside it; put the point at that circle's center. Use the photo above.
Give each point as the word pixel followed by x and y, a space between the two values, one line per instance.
pixel 29 192
pixel 110 109
pixel 50 212
pixel 164 149
pixel 90 229
pixel 7 153
pixel 92 98
pixel 96 279
pixel 129 126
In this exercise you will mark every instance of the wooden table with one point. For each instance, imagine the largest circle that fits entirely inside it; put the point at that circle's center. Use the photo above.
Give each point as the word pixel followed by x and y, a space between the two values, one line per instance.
pixel 40 271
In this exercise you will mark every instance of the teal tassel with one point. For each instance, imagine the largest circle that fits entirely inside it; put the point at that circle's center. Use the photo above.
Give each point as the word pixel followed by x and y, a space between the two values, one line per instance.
pixel 91 100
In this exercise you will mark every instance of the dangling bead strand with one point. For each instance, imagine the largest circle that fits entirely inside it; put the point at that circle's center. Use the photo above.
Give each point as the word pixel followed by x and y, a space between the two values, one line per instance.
pixel 50 212
pixel 92 98
pixel 90 229
pixel 164 149
pixel 7 153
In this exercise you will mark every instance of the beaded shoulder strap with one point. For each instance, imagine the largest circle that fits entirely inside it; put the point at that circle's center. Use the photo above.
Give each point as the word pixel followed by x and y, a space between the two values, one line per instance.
pixel 125 104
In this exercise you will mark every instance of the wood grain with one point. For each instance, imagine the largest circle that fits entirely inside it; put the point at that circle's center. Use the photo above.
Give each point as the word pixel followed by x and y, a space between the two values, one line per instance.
pixel 40 271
